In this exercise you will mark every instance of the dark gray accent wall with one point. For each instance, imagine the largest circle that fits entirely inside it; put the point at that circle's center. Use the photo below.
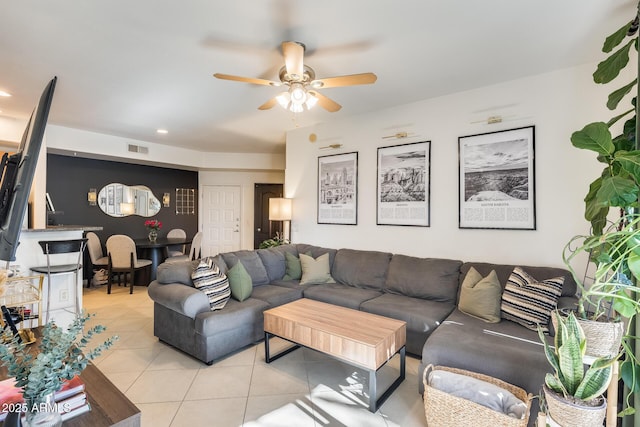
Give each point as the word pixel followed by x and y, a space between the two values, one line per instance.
pixel 69 180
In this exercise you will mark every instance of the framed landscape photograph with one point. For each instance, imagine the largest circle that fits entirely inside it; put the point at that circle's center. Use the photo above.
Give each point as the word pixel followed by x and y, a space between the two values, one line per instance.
pixel 338 189
pixel 497 180
pixel 403 184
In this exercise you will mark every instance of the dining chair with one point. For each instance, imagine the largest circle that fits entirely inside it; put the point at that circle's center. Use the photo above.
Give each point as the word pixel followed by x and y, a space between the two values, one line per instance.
pixel 194 253
pixel 98 259
pixel 121 251
pixel 56 250
pixel 176 250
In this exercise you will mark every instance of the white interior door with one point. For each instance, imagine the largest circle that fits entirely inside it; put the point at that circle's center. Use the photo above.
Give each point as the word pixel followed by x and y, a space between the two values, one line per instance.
pixel 221 219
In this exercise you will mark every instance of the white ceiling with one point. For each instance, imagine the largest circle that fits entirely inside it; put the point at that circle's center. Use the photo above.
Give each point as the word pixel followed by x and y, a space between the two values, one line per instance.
pixel 128 67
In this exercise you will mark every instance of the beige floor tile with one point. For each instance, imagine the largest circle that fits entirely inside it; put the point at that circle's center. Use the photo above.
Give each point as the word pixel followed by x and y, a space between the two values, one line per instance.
pixel 127 360
pixel 208 413
pixel 221 382
pixel 405 407
pixel 161 386
pixel 244 357
pixel 158 414
pixel 334 408
pixel 283 410
pixel 281 379
pixel 337 376
pixel 123 380
pixel 170 358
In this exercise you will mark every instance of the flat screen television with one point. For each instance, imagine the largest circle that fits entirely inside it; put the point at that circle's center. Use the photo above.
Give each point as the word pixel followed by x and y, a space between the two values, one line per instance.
pixel 17 176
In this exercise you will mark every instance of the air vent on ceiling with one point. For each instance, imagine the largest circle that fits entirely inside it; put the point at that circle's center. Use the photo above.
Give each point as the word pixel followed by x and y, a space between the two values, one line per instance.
pixel 138 149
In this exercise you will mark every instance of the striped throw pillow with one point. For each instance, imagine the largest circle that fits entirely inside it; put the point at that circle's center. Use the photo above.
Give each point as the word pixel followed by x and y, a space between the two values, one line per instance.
pixel 528 301
pixel 208 278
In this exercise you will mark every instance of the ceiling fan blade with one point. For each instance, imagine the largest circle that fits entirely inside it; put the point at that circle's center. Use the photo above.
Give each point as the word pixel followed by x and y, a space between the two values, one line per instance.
pixel 246 79
pixel 327 103
pixel 269 104
pixel 293 59
pixel 350 80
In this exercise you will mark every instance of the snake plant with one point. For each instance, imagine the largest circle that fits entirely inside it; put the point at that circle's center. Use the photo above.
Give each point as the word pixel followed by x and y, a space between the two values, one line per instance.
pixel 570 378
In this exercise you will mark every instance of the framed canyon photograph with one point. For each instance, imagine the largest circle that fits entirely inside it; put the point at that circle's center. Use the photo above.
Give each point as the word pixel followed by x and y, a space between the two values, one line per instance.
pixel 403 184
pixel 338 189
pixel 497 180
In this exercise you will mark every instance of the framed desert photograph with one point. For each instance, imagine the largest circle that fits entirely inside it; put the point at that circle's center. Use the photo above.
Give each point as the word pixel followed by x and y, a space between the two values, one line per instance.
pixel 403 184
pixel 338 189
pixel 496 182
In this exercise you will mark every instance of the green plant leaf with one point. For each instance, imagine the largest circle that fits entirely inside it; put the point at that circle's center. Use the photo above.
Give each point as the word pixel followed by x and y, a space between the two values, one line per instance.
pixel 595 381
pixel 622 143
pixel 617 191
pixel 616 96
pixel 624 307
pixel 630 161
pixel 630 374
pixel 609 69
pixel 595 137
pixel 616 38
pixel 615 119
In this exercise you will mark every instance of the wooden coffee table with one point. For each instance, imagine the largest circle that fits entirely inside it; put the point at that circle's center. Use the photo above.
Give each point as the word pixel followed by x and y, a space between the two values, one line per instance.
pixel 361 339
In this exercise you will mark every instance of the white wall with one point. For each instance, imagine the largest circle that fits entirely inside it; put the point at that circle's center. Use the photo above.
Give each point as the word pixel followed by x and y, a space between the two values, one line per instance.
pixel 557 103
pixel 246 180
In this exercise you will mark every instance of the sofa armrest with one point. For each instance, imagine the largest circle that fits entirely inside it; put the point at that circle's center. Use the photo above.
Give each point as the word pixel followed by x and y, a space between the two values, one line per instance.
pixel 179 298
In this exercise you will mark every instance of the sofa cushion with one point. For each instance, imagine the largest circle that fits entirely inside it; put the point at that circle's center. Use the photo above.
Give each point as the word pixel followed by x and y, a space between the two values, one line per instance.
pixel 480 296
pixel 239 282
pixel 236 315
pixel 502 350
pixel 176 272
pixel 252 263
pixel 273 261
pixel 504 271
pixel 177 297
pixel 345 296
pixel 428 278
pixel 293 268
pixel 422 316
pixel 207 278
pixel 315 270
pixel 276 295
pixel 361 269
pixel 528 301
pixel 316 251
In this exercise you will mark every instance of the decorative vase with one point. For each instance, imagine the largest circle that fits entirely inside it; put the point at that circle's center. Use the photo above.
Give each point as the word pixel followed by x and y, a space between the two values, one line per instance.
pixel 153 235
pixel 44 414
pixel 572 413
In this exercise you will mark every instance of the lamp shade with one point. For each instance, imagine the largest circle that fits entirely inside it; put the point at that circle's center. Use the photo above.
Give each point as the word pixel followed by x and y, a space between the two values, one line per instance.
pixel 279 209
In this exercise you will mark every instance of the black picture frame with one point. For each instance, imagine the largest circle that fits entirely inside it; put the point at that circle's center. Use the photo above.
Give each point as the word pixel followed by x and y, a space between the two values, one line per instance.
pixel 403 194
pixel 338 189
pixel 496 180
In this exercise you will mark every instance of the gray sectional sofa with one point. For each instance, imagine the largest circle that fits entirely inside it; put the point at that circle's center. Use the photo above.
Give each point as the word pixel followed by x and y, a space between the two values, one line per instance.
pixel 421 291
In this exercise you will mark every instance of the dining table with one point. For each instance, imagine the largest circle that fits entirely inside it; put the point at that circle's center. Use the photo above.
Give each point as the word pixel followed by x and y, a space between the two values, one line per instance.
pixel 157 251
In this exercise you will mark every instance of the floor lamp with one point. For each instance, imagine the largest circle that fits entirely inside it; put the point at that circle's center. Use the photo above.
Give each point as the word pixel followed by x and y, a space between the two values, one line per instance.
pixel 280 210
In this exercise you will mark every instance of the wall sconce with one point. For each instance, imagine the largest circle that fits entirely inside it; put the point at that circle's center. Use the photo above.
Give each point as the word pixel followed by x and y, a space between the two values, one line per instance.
pixel 92 197
pixel 166 199
pixel 127 208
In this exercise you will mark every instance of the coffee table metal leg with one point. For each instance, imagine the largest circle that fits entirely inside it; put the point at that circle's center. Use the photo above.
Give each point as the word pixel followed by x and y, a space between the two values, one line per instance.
pixel 374 403
pixel 268 358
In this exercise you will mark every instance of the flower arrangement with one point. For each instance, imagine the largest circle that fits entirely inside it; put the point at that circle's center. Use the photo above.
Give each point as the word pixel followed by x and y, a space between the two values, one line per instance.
pixel 153 224
pixel 61 356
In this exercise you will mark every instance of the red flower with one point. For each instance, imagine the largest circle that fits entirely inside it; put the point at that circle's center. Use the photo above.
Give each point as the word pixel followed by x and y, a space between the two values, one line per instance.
pixel 153 224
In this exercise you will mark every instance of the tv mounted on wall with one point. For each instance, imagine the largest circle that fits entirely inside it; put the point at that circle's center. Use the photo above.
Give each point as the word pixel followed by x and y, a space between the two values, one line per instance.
pixel 17 171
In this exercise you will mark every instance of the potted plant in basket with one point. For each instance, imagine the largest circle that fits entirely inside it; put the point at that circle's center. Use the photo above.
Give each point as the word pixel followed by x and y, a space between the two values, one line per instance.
pixel 574 395
pixel 61 355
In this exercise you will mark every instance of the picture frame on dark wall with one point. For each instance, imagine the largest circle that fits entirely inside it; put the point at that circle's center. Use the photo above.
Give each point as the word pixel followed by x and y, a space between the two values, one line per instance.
pixel 404 182
pixel 497 180
pixel 338 189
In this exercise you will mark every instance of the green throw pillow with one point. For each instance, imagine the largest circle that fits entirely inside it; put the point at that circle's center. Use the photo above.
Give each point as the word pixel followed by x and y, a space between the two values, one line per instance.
pixel 294 268
pixel 315 271
pixel 239 282
pixel 480 296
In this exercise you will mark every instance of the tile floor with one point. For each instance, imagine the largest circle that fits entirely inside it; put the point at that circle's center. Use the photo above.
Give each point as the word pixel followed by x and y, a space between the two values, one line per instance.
pixel 304 388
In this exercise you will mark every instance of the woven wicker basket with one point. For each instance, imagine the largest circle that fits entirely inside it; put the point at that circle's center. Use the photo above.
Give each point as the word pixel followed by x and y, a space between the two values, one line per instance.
pixel 603 338
pixel 445 410
pixel 566 413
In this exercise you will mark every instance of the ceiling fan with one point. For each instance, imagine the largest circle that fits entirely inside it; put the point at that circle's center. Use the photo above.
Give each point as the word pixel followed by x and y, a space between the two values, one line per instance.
pixel 301 81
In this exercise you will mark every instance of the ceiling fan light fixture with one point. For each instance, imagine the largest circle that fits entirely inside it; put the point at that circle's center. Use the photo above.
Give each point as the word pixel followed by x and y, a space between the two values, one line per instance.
pixel 298 94
pixel 311 101
pixel 284 99
pixel 296 108
pixel 316 84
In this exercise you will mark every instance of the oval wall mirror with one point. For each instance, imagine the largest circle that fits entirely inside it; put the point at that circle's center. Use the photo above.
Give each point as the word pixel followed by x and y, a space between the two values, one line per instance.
pixel 123 200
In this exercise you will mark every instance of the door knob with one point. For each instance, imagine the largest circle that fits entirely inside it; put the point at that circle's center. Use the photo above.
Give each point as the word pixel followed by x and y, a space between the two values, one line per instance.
pixel 259 229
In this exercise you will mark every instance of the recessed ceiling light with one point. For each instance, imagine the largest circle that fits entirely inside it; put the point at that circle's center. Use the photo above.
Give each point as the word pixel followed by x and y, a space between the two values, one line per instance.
pixel 163 131
pixel 3 93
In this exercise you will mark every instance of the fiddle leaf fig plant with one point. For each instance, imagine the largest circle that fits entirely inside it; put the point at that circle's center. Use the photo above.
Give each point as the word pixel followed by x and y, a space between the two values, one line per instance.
pixel 619 183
